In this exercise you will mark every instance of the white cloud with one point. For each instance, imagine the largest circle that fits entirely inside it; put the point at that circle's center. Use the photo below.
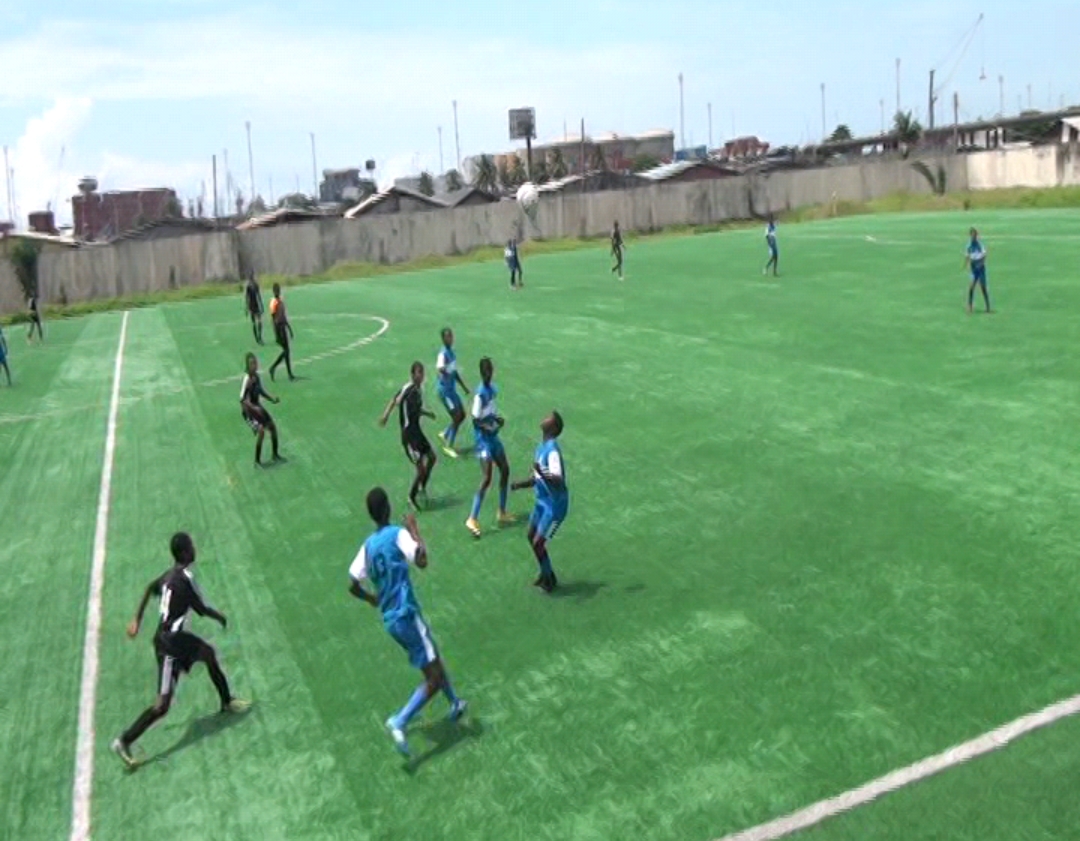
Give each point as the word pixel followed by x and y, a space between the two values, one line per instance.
pixel 40 177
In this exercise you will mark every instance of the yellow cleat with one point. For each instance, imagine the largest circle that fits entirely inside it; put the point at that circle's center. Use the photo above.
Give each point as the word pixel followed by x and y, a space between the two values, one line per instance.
pixel 450 451
pixel 124 752
pixel 237 705
pixel 506 519
pixel 473 527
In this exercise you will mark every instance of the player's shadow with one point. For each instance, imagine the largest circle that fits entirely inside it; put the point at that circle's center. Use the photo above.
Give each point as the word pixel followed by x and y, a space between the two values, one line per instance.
pixel 580 591
pixel 199 729
pixel 443 503
pixel 444 736
pixel 275 464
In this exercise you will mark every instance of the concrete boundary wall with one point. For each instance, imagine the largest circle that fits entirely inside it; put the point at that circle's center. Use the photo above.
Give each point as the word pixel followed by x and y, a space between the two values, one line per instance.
pixel 132 267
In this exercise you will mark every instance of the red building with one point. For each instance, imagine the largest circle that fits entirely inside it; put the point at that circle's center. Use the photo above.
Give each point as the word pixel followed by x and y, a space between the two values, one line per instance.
pixel 744 148
pixel 103 216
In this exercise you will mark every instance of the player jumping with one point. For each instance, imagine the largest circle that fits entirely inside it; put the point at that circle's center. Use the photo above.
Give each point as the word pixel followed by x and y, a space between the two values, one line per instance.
pixel 617 246
pixel 254 305
pixel 774 251
pixel 486 426
pixel 552 497
pixel 176 649
pixel 384 560
pixel 283 332
pixel 976 259
pixel 449 380
pixel 254 413
pixel 410 405
pixel 513 263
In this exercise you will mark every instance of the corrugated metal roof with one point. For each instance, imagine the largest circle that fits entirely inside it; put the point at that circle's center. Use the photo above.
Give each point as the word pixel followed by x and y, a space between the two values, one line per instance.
pixel 383 195
pixel 665 171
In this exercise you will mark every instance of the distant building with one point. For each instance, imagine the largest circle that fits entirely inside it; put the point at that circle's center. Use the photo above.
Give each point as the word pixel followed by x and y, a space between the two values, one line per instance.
pixel 344 186
pixel 43 222
pixel 6 228
pixel 744 148
pixel 683 171
pixel 394 200
pixel 104 216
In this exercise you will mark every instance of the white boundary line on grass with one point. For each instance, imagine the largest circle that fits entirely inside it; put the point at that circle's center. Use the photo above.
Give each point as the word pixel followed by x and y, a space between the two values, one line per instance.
pixel 988 742
pixel 84 750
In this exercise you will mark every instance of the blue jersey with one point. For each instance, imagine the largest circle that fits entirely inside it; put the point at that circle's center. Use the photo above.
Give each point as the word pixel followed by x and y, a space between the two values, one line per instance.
pixel 446 365
pixel 770 235
pixel 549 459
pixel 384 559
pixel 977 254
pixel 484 413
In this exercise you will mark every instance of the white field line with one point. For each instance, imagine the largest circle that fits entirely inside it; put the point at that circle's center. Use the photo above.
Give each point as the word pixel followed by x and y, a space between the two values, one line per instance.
pixel 825 809
pixel 84 750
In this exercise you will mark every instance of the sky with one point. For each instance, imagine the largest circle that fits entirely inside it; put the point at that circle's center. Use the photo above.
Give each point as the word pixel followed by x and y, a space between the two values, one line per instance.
pixel 142 93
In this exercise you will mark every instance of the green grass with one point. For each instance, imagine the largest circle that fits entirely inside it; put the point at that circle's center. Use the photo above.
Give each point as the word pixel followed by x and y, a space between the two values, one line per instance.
pixel 822 527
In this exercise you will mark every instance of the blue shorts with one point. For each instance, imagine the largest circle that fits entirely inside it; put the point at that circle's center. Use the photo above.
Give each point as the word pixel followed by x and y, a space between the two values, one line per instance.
pixel 978 275
pixel 489 449
pixel 547 517
pixel 3 356
pixel 451 401
pixel 413 634
pixel 773 250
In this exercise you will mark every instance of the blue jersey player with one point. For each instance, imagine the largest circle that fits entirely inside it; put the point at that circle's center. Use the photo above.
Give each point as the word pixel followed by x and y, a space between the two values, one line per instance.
pixel 513 263
pixel 774 250
pixel 3 356
pixel 976 259
pixel 548 481
pixel 449 378
pixel 384 561
pixel 489 449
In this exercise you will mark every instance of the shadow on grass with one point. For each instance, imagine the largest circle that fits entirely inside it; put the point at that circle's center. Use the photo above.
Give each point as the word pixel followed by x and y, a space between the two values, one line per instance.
pixel 443 503
pixel 580 591
pixel 199 729
pixel 443 737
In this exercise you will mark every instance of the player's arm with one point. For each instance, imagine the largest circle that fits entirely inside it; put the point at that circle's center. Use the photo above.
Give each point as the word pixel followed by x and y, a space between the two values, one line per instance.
pixel 412 544
pixel 267 394
pixel 203 609
pixel 461 382
pixel 524 484
pixel 357 575
pixel 152 589
pixel 393 404
pixel 552 474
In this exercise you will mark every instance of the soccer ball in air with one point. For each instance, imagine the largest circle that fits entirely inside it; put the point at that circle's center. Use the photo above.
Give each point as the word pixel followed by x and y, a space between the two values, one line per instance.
pixel 528 197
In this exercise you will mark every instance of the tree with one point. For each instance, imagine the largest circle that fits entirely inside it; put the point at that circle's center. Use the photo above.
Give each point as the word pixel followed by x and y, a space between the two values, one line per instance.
pixel 503 171
pixel 173 208
pixel 907 129
pixel 540 172
pixel 23 255
pixel 557 165
pixel 257 206
pixel 454 181
pixel 427 184
pixel 840 134
pixel 516 172
pixel 487 176
pixel 643 163
pixel 938 183
pixel 597 159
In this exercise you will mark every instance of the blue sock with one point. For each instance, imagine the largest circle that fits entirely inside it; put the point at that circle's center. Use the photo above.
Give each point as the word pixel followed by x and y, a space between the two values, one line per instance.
pixel 448 434
pixel 416 703
pixel 503 489
pixel 448 690
pixel 478 500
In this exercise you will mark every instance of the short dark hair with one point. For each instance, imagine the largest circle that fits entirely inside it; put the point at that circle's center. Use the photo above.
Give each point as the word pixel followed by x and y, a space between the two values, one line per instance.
pixel 378 506
pixel 485 362
pixel 444 331
pixel 555 416
pixel 181 546
pixel 248 357
pixel 416 366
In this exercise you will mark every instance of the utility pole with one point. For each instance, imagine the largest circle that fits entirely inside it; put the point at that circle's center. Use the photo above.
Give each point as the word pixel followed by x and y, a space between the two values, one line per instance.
pixel 956 120
pixel 710 127
pixel 251 162
pixel 898 86
pixel 314 170
pixel 882 116
pixel 1029 97
pixel 7 188
pixel 583 147
pixel 457 138
pixel 824 127
pixel 1001 92
pixel 442 169
pixel 930 119
pixel 215 187
pixel 682 121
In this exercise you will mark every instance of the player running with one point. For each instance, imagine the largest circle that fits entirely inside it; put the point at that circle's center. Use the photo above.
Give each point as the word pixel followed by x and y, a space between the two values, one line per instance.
pixel 254 413
pixel 409 402
pixel 552 497
pixel 513 263
pixel 384 560
pixel 976 259
pixel 449 380
pixel 774 251
pixel 486 426
pixel 35 318
pixel 254 305
pixel 617 246
pixel 283 332
pixel 3 356
pixel 176 649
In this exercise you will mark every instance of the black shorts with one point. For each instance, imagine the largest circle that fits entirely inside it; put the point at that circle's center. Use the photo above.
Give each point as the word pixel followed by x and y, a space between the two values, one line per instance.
pixel 256 420
pixel 176 653
pixel 254 310
pixel 281 336
pixel 416 446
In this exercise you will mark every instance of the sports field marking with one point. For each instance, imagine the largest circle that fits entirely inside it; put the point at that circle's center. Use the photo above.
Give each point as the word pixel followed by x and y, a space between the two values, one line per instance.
pixel 895 780
pixel 384 325
pixel 84 750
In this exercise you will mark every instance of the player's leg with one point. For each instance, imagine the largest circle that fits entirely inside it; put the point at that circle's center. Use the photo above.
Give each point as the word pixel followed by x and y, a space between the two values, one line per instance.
pixel 429 460
pixel 271 427
pixel 412 634
pixel 983 288
pixel 7 371
pixel 287 353
pixel 473 523
pixel 260 434
pixel 168 675
pixel 203 652
pixel 504 485
pixel 971 295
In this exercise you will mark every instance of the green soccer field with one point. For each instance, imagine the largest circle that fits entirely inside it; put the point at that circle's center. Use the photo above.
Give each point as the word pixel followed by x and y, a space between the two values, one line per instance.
pixel 822 527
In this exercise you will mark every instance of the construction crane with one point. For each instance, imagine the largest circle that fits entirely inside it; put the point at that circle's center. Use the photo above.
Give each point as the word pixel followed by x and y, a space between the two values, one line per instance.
pixel 59 170
pixel 959 51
